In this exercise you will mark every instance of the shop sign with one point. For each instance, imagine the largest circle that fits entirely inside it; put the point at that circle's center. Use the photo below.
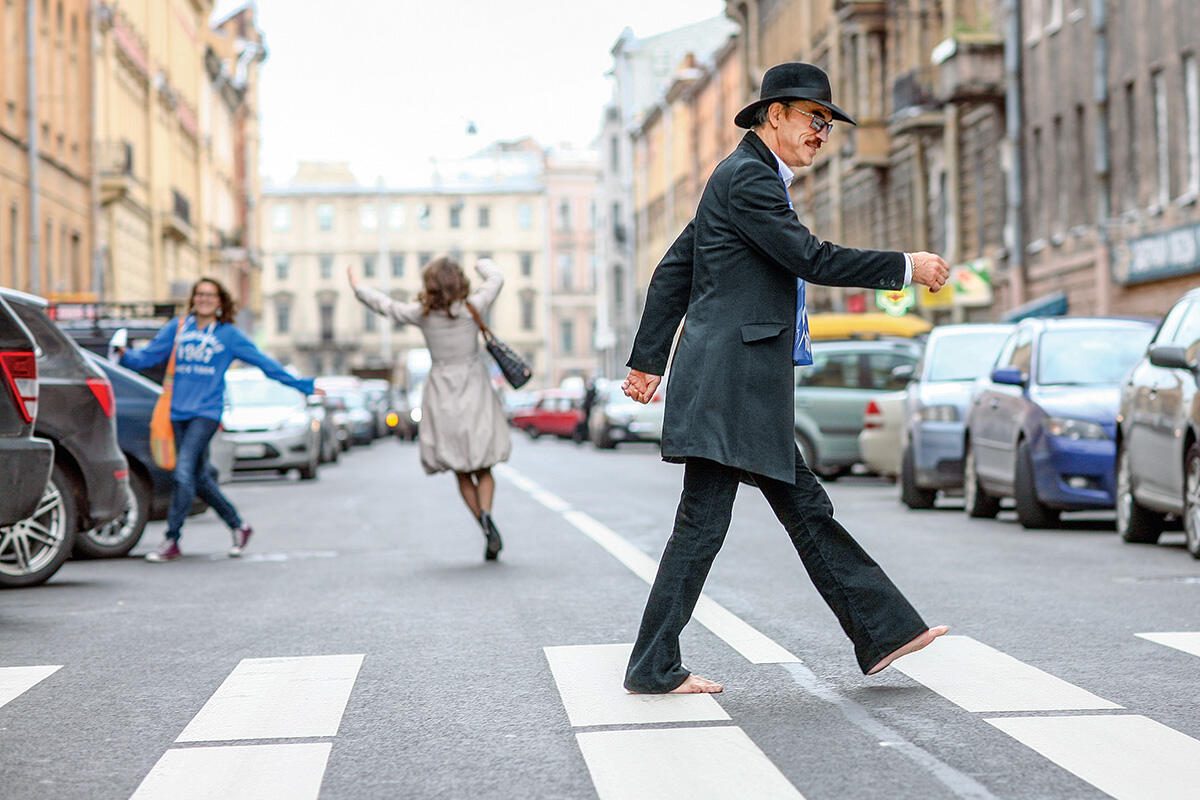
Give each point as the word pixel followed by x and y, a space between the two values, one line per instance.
pixel 1160 255
pixel 896 302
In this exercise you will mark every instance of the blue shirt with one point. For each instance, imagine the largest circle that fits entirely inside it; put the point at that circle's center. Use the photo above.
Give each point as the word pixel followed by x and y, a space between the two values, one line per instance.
pixel 202 358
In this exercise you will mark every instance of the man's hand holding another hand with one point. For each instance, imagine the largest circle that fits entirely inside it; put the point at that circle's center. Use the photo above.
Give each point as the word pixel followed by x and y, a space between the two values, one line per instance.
pixel 640 386
pixel 929 269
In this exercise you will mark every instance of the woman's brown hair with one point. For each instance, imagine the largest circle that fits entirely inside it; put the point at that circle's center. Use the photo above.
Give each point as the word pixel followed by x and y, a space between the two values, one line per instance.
pixel 445 284
pixel 226 311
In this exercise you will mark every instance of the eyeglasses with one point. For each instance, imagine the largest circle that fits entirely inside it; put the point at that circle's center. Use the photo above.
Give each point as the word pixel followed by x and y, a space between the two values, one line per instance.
pixel 205 294
pixel 818 123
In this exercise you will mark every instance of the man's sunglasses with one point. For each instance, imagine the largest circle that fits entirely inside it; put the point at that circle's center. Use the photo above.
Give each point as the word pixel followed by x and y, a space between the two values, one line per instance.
pixel 818 123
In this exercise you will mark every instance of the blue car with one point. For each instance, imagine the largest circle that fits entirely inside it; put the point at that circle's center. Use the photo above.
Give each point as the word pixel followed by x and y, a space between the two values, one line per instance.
pixel 935 408
pixel 1042 427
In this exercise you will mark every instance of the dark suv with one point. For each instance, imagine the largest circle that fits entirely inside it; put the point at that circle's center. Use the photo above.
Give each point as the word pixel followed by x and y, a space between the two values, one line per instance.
pixel 24 459
pixel 89 483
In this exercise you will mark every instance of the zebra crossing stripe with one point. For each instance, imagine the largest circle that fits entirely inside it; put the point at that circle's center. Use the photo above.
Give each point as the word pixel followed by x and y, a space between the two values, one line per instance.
pixel 1187 642
pixel 277 698
pixel 238 772
pixel 1127 756
pixel 15 681
pixel 977 677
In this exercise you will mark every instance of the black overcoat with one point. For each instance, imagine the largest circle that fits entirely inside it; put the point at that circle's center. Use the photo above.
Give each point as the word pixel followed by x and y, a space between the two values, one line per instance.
pixel 733 273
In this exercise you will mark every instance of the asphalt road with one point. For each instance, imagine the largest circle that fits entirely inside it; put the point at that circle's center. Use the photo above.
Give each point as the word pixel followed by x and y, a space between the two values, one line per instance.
pixel 212 677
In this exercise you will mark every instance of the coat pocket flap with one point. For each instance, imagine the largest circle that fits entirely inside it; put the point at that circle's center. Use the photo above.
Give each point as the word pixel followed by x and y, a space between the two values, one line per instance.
pixel 757 331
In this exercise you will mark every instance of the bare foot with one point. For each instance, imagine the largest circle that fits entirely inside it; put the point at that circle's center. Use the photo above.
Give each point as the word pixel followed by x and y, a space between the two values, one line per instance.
pixel 693 684
pixel 916 644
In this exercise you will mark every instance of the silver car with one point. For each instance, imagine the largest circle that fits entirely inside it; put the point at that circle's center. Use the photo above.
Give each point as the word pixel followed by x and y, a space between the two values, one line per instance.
pixel 270 425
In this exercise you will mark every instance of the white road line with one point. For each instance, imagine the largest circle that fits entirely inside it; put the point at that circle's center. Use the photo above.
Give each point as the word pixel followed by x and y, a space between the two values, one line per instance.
pixel 242 772
pixel 976 677
pixel 277 698
pixel 681 764
pixel 15 681
pixel 1187 642
pixel 1129 757
pixel 754 646
pixel 589 681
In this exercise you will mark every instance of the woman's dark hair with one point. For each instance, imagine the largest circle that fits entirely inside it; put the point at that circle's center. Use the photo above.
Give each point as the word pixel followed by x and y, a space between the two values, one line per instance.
pixel 226 311
pixel 445 284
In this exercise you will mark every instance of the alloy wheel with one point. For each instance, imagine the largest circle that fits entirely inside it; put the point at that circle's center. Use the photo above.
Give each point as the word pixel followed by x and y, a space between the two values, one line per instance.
pixel 1124 506
pixel 1191 502
pixel 29 545
pixel 116 531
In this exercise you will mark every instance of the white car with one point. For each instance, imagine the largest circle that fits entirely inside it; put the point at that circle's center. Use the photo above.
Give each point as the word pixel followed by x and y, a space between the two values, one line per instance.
pixel 271 426
pixel 879 440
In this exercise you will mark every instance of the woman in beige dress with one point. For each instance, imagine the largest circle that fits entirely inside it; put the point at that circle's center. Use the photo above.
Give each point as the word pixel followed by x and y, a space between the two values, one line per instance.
pixel 463 427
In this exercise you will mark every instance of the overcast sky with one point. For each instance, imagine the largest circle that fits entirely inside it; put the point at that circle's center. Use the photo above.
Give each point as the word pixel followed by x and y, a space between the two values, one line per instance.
pixel 386 84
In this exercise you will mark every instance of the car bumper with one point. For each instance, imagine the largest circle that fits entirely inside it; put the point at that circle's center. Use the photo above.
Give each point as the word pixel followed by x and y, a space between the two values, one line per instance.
pixel 1059 463
pixel 938 454
pixel 24 469
pixel 271 449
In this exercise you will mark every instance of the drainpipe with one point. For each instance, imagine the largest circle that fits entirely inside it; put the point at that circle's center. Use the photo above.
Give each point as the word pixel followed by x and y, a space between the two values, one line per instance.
pixel 94 177
pixel 35 216
pixel 1104 282
pixel 1014 231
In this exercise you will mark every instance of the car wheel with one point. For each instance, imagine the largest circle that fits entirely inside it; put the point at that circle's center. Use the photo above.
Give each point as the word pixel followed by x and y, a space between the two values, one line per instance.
pixel 33 549
pixel 807 451
pixel 308 472
pixel 1031 512
pixel 912 495
pixel 1135 523
pixel 533 432
pixel 1191 501
pixel 117 537
pixel 979 503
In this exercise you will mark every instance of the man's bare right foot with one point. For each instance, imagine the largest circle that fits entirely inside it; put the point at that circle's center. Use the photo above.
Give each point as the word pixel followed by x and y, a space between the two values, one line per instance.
pixel 693 684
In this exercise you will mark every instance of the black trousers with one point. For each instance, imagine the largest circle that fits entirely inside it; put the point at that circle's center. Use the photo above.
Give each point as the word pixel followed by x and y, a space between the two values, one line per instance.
pixel 873 613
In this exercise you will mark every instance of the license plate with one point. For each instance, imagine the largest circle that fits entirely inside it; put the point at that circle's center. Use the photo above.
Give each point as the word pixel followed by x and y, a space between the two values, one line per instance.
pixel 251 450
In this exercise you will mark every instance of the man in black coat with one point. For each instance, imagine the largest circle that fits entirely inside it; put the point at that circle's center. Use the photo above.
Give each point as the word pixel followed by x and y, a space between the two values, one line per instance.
pixel 738 272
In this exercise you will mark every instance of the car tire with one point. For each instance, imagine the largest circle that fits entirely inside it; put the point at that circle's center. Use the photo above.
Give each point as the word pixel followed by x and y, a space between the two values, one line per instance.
pixel 807 451
pixel 1136 524
pixel 117 537
pixel 55 522
pixel 308 472
pixel 1031 512
pixel 1191 500
pixel 979 503
pixel 912 495
pixel 533 432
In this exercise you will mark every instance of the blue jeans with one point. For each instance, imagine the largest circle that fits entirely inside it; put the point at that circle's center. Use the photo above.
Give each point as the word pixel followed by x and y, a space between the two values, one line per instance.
pixel 193 475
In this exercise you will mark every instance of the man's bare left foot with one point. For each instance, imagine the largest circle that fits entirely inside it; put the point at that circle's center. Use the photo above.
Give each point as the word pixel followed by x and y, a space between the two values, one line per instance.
pixel 692 684
pixel 916 644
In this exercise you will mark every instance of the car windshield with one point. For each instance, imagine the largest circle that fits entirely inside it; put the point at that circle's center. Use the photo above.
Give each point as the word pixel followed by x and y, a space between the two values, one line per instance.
pixel 351 398
pixel 261 393
pixel 1088 356
pixel 963 356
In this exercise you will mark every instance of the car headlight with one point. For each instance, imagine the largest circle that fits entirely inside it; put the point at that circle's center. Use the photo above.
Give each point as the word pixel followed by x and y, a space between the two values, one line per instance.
pixel 1074 428
pixel 299 419
pixel 942 413
pixel 415 414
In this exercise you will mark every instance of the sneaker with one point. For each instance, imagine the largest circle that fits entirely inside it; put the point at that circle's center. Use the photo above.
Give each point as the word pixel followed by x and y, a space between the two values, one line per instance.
pixel 240 537
pixel 167 551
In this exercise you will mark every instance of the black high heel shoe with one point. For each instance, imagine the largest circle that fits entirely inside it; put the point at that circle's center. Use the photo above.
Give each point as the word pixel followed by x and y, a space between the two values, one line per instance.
pixel 494 543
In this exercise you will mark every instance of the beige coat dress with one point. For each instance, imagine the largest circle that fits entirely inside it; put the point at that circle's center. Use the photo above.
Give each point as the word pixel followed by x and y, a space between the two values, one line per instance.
pixel 463 427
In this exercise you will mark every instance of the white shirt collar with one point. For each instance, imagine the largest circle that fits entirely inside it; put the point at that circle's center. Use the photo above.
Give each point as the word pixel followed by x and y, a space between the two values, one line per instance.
pixel 785 171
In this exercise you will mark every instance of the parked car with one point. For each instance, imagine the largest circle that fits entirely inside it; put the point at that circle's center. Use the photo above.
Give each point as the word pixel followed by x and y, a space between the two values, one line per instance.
pixel 935 408
pixel 359 421
pixel 326 410
pixel 616 418
pixel 24 458
pixel 1042 427
pixel 1158 460
pixel 94 335
pixel 879 440
pixel 556 413
pixel 399 418
pixel 271 425
pixel 375 395
pixel 89 482
pixel 832 394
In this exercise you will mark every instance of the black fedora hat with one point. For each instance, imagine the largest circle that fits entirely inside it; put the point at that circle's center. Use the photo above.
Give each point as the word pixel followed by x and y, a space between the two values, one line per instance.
pixel 792 81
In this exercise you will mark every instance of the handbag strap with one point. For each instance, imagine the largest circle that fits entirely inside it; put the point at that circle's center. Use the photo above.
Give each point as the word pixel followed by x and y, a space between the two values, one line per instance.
pixel 487 334
pixel 169 376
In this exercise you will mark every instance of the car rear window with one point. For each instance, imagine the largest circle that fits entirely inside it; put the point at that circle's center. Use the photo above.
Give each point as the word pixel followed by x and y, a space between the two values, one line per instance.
pixel 12 334
pixel 53 342
pixel 963 356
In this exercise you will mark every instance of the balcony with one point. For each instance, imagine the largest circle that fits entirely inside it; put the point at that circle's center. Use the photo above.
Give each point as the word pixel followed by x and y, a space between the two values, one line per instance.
pixel 869 16
pixel 177 220
pixel 114 164
pixel 970 68
pixel 915 105
pixel 869 144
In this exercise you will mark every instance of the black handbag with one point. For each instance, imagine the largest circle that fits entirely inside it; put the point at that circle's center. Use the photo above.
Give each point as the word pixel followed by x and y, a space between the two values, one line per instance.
pixel 515 370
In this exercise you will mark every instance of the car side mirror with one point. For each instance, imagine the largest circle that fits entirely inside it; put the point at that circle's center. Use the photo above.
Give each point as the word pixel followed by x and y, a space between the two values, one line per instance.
pixel 904 373
pixel 1009 376
pixel 1170 356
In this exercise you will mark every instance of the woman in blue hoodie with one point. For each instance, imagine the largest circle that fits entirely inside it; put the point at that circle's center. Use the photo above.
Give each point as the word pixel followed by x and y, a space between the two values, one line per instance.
pixel 208 343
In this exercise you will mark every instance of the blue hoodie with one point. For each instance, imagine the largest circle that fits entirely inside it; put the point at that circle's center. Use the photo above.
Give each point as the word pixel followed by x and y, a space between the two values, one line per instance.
pixel 200 364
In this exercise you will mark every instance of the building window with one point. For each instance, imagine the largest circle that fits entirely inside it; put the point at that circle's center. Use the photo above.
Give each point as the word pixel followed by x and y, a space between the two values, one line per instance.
pixel 1131 134
pixel 423 259
pixel 526 264
pixel 326 266
pixel 567 336
pixel 281 268
pixel 325 217
pixel 1037 224
pixel 1161 138
pixel 370 320
pixel 396 216
pixel 524 216
pixel 1061 190
pixel 618 279
pixel 614 155
pixel 456 215
pixel 281 218
pixel 527 311
pixel 326 316
pixel 485 217
pixel 566 271
pixel 424 216
pixel 369 266
pixel 368 217
pixel 283 317
pixel 1082 171
pixel 564 215
pixel 1191 105
pixel 592 216
pixel 397 265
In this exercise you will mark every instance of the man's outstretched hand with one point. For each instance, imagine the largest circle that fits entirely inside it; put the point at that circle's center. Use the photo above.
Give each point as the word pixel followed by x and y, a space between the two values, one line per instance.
pixel 929 269
pixel 640 385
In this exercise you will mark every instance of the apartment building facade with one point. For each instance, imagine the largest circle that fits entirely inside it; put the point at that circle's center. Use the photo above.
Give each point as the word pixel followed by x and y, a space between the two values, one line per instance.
pixel 571 179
